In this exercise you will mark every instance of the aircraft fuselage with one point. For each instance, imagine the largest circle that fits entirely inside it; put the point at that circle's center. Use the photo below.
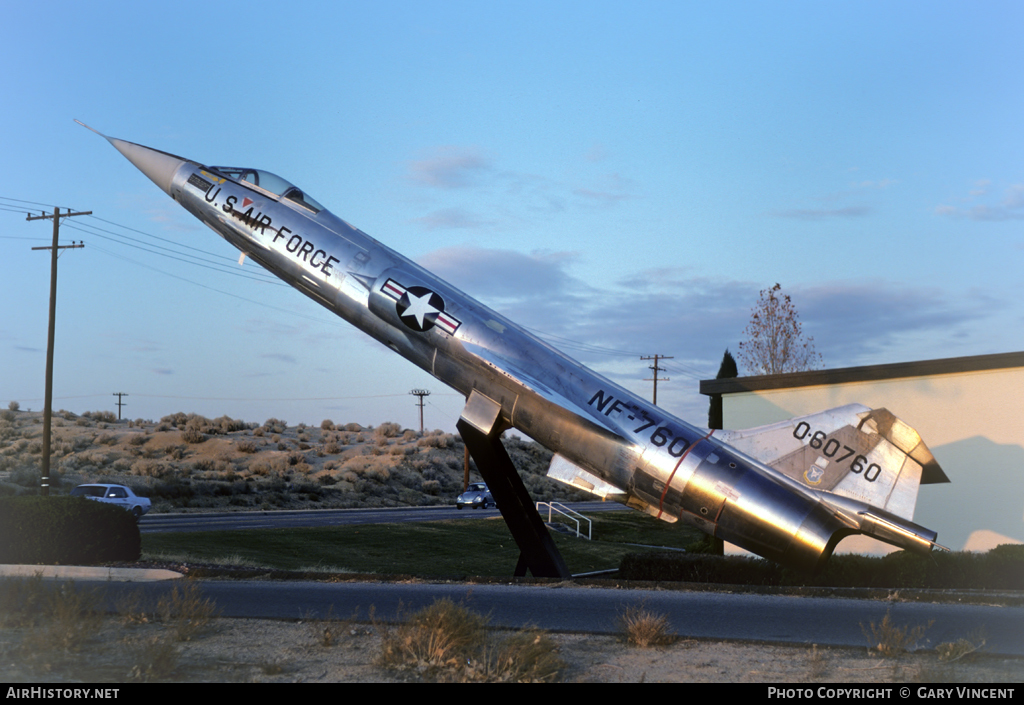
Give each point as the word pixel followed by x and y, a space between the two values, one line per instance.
pixel 654 461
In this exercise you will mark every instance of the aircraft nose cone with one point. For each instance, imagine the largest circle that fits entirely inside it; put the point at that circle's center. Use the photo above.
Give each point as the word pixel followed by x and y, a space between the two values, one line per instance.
pixel 159 166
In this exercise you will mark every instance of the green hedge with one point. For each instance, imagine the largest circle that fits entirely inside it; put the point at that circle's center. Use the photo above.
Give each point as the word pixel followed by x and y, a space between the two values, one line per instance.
pixel 1002 568
pixel 66 531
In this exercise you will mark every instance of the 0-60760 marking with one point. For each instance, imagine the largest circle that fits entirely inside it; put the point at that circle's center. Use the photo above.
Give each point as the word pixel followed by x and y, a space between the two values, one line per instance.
pixel 830 448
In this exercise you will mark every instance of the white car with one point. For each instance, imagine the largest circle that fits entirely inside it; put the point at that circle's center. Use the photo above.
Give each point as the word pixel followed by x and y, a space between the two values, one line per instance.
pixel 115 494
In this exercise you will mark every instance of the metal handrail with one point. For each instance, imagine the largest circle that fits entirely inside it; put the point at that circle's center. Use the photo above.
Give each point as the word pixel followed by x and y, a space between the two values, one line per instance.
pixel 570 514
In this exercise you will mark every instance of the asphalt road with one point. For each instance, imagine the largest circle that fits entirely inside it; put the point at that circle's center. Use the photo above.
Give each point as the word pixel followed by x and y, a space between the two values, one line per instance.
pixel 227 521
pixel 563 607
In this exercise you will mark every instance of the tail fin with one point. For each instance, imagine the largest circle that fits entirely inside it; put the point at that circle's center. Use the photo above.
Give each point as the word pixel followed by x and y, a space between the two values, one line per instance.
pixel 863 454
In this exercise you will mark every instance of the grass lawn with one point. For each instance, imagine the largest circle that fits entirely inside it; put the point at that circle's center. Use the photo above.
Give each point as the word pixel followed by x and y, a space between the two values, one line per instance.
pixel 435 549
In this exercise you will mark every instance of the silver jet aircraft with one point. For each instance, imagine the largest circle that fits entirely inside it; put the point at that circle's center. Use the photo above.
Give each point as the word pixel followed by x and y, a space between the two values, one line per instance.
pixel 788 492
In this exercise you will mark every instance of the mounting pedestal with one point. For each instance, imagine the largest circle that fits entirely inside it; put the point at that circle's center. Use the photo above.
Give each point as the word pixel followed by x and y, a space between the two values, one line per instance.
pixel 537 550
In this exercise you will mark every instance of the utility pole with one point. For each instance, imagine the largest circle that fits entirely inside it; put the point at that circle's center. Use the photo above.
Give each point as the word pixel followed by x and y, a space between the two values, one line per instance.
pixel 48 404
pixel 420 393
pixel 119 403
pixel 656 369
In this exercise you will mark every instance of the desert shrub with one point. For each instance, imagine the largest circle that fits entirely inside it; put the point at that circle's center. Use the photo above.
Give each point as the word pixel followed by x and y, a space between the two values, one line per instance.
pixel 13 406
pixel 192 434
pixel 107 439
pixel 387 430
pixel 151 468
pixel 8 415
pixel 186 611
pixel 247 446
pixel 327 425
pixel 177 419
pixel 260 467
pixel 448 643
pixel 66 531
pixel 172 489
pixel 891 639
pixel 102 416
pixel 642 627
pixel 273 425
pixel 230 425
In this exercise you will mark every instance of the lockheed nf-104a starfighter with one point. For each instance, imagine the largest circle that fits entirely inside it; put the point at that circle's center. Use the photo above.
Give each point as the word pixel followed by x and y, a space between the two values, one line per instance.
pixel 788 492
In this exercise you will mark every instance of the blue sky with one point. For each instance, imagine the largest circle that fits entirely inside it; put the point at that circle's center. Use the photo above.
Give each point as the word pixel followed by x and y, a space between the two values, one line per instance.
pixel 624 176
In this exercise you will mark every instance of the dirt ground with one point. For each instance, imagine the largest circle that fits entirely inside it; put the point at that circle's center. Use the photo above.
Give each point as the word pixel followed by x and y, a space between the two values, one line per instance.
pixel 318 651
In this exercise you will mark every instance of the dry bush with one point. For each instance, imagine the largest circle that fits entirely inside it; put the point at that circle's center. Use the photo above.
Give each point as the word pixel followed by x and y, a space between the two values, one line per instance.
pixel 448 643
pixel 230 425
pixel 103 416
pixel 247 446
pixel 642 627
pixel 891 640
pixel 327 425
pixel 151 468
pixel 69 617
pixel 273 425
pixel 192 434
pixel 186 611
pixel 387 430
pixel 956 650
pixel 153 659
pixel 529 656
pixel 21 600
pixel 441 636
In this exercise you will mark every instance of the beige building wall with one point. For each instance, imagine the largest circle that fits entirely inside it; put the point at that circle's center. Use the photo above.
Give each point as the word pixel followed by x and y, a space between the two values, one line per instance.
pixel 973 422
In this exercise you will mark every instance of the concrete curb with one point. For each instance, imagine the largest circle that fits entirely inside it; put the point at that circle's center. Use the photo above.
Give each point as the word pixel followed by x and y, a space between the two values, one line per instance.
pixel 75 572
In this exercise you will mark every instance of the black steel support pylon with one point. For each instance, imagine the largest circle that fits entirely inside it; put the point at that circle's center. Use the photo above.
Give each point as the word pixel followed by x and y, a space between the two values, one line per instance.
pixel 537 550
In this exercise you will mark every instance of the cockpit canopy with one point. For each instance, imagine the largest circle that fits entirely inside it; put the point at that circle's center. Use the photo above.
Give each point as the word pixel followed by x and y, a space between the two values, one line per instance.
pixel 272 183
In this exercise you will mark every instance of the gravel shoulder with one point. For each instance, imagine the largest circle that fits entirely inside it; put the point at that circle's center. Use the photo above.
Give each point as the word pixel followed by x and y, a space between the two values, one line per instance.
pixel 325 651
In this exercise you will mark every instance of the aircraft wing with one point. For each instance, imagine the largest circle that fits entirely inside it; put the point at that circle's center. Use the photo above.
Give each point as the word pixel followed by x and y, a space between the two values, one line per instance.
pixel 517 373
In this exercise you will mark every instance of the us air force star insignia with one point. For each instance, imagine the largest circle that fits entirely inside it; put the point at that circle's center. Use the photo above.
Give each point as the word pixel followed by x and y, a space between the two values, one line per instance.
pixel 420 308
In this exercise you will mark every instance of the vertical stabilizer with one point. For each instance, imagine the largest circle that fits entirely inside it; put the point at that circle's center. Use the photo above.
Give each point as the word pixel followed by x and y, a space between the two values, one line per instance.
pixel 852 451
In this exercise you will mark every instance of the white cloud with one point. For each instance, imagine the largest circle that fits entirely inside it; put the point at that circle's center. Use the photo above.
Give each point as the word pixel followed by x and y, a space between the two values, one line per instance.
pixel 1009 207
pixel 670 311
pixel 450 167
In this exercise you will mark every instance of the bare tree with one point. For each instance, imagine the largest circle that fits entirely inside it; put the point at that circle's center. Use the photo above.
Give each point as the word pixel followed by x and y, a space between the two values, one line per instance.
pixel 775 342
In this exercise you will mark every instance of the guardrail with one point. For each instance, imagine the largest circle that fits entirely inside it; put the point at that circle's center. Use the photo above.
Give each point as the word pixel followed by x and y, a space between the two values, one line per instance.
pixel 568 515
